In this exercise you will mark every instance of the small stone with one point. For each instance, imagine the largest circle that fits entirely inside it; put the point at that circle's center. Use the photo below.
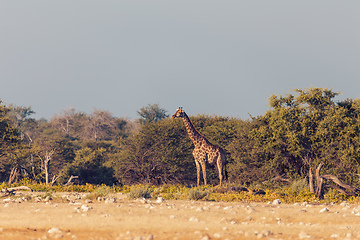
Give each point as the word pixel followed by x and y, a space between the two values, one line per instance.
pixel 88 201
pixel 47 199
pixel 193 219
pixel 260 235
pixel 160 200
pixel 142 200
pixel 249 210
pixel 110 200
pixel 304 235
pixel 150 237
pixel 349 235
pixel 276 202
pixel 335 235
pixel 85 208
pixel 205 237
pixel 324 210
pixel 217 235
pixel 54 230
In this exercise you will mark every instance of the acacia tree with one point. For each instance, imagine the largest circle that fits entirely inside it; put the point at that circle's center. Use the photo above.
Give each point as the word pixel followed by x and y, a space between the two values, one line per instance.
pixel 158 153
pixel 297 133
pixel 152 113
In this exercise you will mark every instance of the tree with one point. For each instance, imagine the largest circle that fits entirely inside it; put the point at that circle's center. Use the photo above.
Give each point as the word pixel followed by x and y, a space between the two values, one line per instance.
pixel 152 113
pixel 65 121
pixel 303 130
pixel 246 162
pixel 158 154
pixel 89 167
pixel 11 147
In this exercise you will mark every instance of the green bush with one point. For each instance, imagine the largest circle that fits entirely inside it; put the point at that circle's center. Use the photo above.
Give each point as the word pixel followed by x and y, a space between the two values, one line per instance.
pixel 195 194
pixel 301 184
pixel 140 192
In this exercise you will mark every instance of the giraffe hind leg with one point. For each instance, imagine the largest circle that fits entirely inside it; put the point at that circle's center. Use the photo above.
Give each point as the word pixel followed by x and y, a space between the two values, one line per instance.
pixel 219 163
pixel 203 165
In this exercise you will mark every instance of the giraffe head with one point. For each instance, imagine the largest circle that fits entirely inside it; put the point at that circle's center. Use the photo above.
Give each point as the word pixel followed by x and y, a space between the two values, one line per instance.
pixel 179 113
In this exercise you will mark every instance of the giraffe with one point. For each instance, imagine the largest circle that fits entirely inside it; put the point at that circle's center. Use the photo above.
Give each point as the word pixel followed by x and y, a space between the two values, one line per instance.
pixel 204 151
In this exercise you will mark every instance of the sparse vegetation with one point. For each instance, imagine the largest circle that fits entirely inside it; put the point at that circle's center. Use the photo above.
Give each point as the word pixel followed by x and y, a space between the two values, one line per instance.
pixel 195 194
pixel 293 193
pixel 101 191
pixel 140 192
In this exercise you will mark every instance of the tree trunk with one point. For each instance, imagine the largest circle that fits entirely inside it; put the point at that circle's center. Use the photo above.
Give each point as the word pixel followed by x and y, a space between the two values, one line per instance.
pixel 13 175
pixel 54 179
pixel 48 157
pixel 311 181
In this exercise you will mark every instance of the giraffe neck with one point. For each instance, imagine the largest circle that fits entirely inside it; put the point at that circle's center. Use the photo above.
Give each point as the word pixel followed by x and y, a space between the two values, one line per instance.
pixel 194 135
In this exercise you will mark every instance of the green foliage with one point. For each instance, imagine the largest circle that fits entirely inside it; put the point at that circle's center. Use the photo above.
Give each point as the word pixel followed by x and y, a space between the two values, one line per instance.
pixel 302 129
pixel 152 113
pixel 159 153
pixel 101 191
pixel 195 194
pixel 89 166
pixel 300 185
pixel 12 150
pixel 140 192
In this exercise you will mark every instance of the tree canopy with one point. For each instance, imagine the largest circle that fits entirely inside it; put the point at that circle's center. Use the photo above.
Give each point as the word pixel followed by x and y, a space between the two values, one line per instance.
pixel 301 129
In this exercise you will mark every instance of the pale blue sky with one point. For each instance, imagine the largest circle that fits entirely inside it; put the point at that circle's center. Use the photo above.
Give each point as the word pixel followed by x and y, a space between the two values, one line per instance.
pixel 210 57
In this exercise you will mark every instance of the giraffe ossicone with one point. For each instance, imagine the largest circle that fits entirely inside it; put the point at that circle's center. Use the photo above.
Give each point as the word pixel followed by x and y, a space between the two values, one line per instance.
pixel 204 151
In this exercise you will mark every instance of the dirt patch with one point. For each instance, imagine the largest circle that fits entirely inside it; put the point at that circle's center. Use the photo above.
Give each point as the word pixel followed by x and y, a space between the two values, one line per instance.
pixel 120 218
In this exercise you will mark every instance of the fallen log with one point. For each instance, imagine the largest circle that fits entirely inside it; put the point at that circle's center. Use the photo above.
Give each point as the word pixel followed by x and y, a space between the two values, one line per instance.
pixel 7 191
pixel 69 182
pixel 341 184
pixel 277 178
pixel 341 190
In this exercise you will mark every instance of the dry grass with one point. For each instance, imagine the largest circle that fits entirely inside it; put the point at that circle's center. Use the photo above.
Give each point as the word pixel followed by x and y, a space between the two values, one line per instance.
pixel 131 219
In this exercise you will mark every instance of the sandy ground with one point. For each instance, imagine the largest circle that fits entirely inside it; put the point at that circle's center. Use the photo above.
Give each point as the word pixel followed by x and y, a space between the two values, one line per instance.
pixel 140 219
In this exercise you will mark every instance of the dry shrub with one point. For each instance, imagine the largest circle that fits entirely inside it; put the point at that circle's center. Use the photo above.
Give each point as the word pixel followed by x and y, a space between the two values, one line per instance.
pixel 142 192
pixel 195 194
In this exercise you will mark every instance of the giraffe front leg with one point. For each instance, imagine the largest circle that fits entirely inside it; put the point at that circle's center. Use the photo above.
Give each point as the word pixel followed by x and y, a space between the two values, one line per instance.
pixel 198 172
